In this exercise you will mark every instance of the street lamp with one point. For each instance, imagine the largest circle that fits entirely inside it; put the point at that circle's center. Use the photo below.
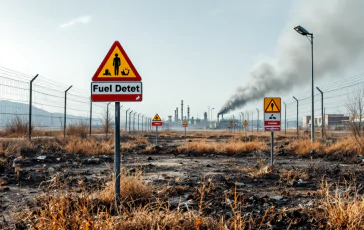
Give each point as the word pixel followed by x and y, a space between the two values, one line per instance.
pixel 309 35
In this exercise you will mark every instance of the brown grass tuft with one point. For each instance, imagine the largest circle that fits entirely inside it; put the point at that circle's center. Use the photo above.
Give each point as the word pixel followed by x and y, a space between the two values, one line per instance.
pixel 229 148
pixel 344 207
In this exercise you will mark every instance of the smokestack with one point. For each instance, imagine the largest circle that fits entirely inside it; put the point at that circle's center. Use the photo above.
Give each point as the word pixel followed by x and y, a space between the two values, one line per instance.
pixel 218 115
pixel 177 113
pixel 188 113
pixel 181 109
pixel 175 116
pixel 290 67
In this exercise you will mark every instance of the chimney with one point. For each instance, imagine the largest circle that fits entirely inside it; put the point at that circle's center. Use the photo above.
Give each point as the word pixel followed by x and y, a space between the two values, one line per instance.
pixel 181 110
pixel 177 113
pixel 188 113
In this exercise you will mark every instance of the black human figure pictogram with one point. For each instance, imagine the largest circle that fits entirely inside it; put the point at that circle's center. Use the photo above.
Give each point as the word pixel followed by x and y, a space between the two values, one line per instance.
pixel 107 72
pixel 116 64
pixel 272 105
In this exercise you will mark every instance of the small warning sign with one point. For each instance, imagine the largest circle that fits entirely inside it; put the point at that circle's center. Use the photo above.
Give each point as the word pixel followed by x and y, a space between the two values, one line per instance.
pixel 116 66
pixel 231 122
pixel 184 124
pixel 246 122
pixel 272 105
pixel 157 118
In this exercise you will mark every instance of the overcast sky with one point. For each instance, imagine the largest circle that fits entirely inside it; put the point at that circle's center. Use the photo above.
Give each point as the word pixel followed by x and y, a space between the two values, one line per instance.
pixel 196 51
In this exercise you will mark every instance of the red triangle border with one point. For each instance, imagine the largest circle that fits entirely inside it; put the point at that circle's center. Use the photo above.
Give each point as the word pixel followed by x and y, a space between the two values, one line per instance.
pixel 116 44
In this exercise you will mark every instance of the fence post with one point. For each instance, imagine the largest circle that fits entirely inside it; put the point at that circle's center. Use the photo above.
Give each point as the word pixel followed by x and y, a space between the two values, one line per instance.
pixel 252 122
pixel 130 119
pixel 297 115
pixel 126 120
pixel 142 122
pixel 138 121
pixel 120 116
pixel 90 116
pixel 65 111
pixel 322 112
pixel 30 106
pixel 107 119
pixel 134 121
pixel 258 121
pixel 285 121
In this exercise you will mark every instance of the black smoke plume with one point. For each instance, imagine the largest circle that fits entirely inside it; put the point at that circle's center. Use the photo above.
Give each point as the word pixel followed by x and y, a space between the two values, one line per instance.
pixel 337 27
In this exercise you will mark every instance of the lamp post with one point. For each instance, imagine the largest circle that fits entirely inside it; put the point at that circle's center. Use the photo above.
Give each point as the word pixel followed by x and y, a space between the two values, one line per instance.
pixel 309 35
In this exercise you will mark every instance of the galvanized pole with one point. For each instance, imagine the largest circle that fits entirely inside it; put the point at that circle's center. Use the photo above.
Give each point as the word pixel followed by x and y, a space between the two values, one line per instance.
pixel 322 112
pixel 156 137
pixel 30 106
pixel 313 101
pixel 272 148
pixel 142 122
pixel 90 116
pixel 126 120
pixel 65 111
pixel 297 115
pixel 130 119
pixel 285 116
pixel 134 121
pixel 258 121
pixel 185 132
pixel 252 122
pixel 107 122
pixel 117 151
pixel 138 121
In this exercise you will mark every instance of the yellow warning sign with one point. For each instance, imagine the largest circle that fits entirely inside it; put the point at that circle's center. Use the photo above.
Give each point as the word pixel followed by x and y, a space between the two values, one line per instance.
pixel 157 118
pixel 272 105
pixel 184 122
pixel 116 66
pixel 246 122
pixel 231 122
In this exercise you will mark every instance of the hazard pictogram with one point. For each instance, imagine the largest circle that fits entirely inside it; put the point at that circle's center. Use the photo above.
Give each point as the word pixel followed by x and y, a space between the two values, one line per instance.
pixel 272 105
pixel 157 118
pixel 116 66
pixel 184 124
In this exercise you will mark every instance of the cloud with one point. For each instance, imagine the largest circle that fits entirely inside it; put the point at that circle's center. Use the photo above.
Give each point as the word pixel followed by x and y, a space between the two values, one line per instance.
pixel 80 20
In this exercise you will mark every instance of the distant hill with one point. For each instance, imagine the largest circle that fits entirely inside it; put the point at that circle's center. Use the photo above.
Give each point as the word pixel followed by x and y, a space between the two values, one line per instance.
pixel 40 119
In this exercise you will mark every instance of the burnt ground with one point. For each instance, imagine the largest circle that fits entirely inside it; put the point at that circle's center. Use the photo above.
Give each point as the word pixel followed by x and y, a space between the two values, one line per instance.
pixel 293 183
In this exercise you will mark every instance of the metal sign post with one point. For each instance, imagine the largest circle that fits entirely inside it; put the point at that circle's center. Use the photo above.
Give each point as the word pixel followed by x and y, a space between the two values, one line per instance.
pixel 272 120
pixel 156 137
pixel 116 81
pixel 245 124
pixel 272 148
pixel 117 150
pixel 185 125
pixel 157 121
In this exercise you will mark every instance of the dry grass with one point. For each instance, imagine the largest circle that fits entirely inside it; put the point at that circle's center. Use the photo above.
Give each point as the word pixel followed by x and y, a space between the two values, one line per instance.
pixel 229 148
pixel 79 129
pixel 341 149
pixel 344 207
pixel 139 209
pixel 90 146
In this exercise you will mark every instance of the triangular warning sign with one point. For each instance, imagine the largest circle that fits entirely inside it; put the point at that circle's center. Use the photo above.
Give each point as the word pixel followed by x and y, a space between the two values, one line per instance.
pixel 116 66
pixel 272 106
pixel 185 123
pixel 157 118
